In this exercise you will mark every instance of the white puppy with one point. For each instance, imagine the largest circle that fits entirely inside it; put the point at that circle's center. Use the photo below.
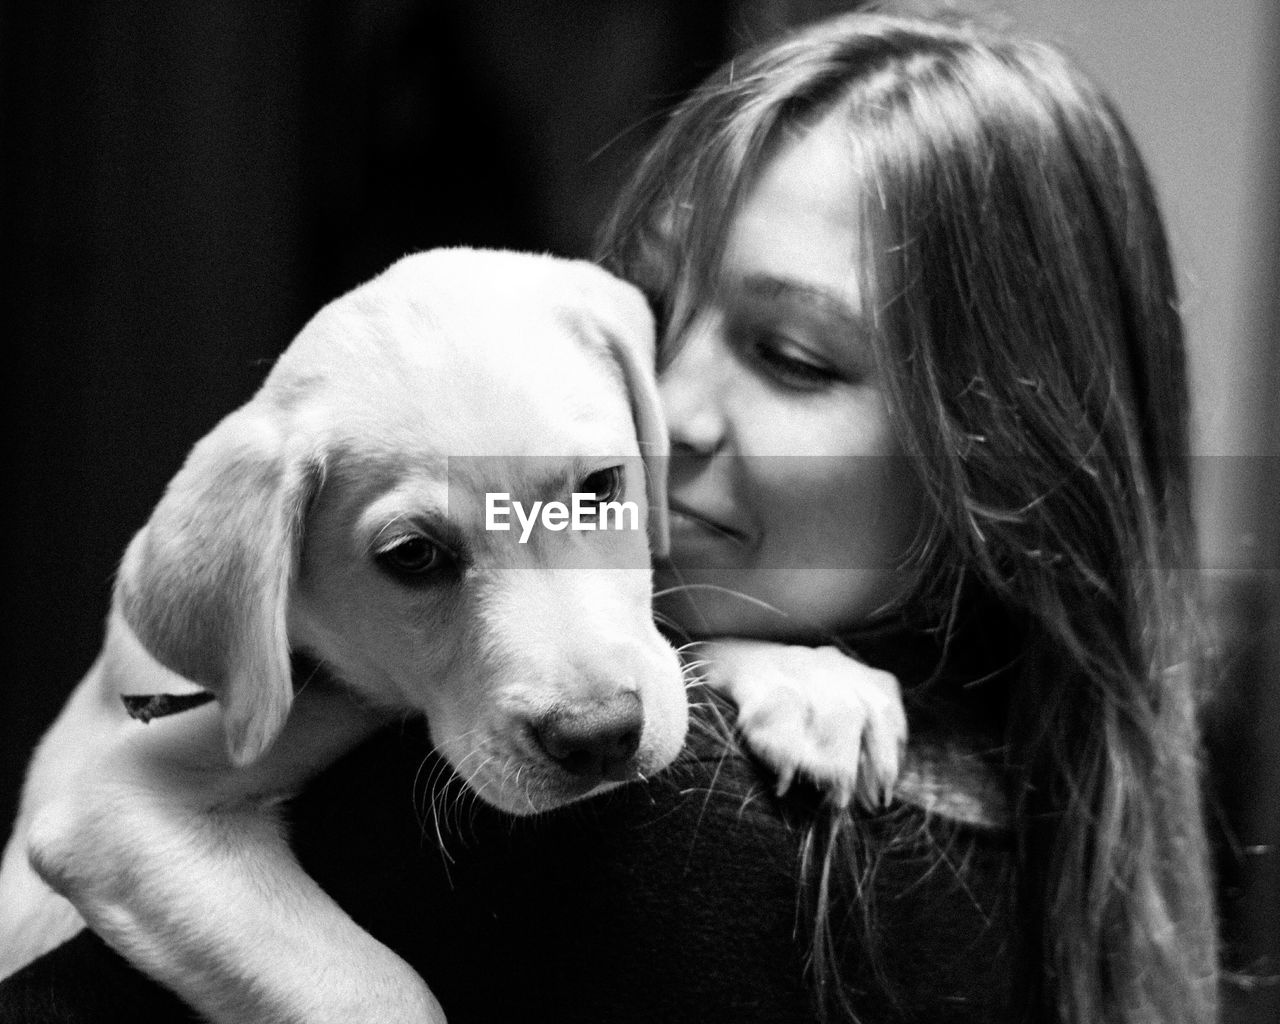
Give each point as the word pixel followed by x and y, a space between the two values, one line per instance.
pixel 344 512
pixel 341 513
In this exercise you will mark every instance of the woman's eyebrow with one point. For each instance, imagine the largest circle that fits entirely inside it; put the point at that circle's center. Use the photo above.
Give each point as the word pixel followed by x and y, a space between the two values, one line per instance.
pixel 770 288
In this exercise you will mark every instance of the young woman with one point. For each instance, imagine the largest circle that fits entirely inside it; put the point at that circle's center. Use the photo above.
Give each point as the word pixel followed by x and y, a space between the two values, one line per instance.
pixel 934 253
pixel 924 375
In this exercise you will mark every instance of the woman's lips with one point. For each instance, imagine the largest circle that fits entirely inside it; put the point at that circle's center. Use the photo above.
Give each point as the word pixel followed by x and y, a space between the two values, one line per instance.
pixel 684 517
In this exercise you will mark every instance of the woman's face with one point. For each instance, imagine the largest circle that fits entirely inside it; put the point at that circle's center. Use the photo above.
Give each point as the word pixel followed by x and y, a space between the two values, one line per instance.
pixel 788 484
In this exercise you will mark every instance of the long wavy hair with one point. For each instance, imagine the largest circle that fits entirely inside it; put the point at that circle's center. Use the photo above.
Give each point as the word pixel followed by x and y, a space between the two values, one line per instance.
pixel 1030 342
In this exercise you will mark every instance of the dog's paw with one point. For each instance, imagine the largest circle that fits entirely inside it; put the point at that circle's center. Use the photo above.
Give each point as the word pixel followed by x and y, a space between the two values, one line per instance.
pixel 814 712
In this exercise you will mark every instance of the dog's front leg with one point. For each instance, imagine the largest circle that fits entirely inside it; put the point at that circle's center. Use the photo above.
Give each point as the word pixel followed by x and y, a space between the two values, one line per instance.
pixel 814 712
pixel 180 864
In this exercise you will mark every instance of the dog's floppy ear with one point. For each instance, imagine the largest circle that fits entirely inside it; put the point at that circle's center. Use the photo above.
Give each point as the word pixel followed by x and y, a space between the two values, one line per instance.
pixel 205 584
pixel 631 340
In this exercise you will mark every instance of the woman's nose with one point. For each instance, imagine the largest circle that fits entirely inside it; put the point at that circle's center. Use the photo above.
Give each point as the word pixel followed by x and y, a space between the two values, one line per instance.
pixel 693 391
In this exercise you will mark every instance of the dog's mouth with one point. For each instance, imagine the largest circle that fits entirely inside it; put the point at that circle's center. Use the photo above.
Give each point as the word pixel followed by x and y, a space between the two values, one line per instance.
pixel 538 762
pixel 546 735
pixel 526 785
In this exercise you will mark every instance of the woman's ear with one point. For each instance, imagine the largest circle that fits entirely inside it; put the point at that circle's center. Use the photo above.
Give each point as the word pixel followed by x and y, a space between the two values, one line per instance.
pixel 205 584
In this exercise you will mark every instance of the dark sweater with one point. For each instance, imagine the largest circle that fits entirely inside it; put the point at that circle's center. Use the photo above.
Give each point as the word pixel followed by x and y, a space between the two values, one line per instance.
pixel 667 902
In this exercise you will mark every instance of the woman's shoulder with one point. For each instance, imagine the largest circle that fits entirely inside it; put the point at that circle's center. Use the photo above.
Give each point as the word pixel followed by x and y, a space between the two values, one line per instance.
pixel 921 893
pixel 679 898
pixel 949 776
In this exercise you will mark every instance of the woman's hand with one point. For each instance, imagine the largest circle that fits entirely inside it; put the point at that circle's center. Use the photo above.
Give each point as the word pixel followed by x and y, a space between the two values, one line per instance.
pixel 814 711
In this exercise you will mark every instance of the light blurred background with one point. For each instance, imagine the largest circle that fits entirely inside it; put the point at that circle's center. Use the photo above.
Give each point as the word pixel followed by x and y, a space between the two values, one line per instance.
pixel 181 185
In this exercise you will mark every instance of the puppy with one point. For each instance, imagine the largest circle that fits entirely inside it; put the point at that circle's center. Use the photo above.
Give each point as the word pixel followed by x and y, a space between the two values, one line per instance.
pixel 342 513
pixel 347 513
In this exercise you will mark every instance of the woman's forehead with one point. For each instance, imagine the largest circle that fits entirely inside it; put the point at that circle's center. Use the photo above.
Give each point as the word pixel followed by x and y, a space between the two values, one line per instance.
pixel 800 224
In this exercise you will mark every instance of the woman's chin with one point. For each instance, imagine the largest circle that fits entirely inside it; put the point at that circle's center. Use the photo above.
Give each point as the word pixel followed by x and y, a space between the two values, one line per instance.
pixel 718 605
pixel 801 607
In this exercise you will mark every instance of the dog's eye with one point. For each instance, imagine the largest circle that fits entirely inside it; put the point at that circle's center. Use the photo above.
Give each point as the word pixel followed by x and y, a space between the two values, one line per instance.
pixel 603 484
pixel 415 557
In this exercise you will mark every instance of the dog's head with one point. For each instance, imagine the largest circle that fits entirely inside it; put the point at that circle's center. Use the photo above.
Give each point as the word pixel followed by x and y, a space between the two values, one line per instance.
pixel 346 511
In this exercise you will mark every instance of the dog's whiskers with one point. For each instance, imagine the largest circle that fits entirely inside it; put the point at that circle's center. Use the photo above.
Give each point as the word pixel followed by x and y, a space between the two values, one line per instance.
pixel 472 793
pixel 447 787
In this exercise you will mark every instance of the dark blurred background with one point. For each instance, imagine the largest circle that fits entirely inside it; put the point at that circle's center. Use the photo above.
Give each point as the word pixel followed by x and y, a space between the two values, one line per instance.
pixel 182 185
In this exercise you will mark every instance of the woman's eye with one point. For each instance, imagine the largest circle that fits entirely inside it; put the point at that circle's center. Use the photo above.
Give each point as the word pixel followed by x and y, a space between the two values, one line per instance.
pixel 415 558
pixel 784 362
pixel 603 484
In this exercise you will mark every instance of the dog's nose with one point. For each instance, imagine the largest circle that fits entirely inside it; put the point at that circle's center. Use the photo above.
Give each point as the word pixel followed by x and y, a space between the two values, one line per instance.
pixel 596 743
